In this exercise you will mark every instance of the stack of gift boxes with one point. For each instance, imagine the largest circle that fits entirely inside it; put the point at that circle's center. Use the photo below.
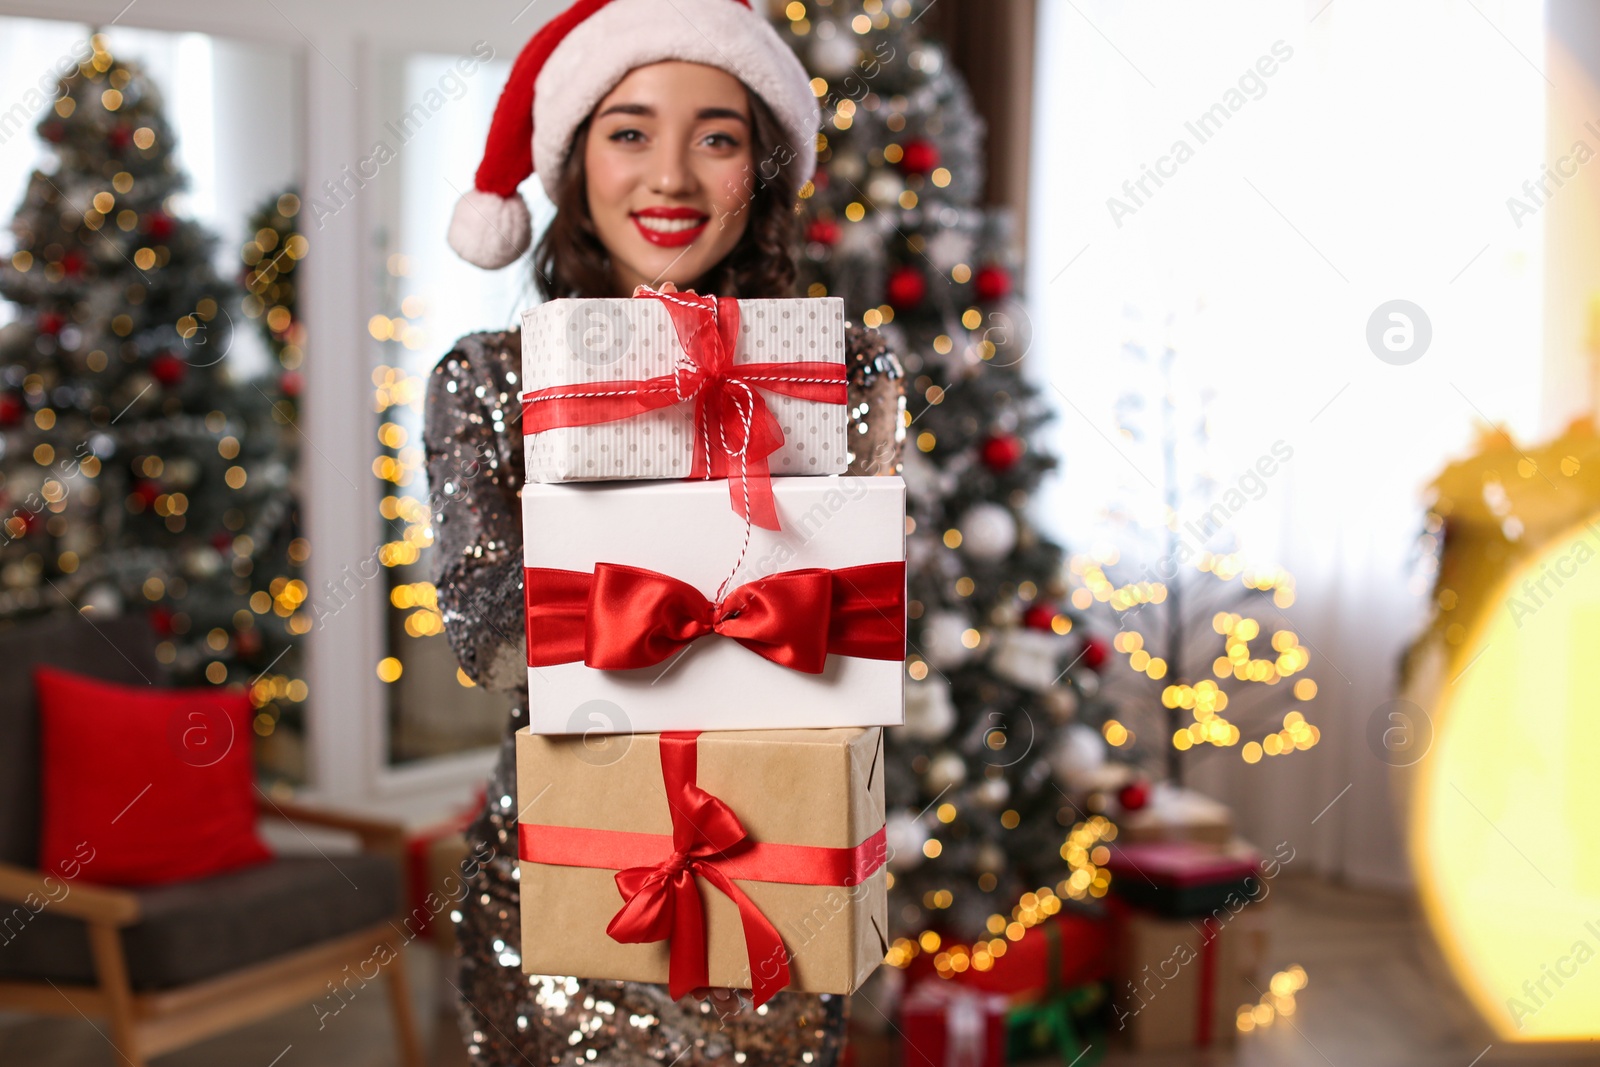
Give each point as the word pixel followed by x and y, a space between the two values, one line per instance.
pixel 715 636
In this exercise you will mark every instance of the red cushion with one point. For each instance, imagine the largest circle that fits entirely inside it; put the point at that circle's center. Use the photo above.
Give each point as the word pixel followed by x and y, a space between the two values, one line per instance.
pixel 140 785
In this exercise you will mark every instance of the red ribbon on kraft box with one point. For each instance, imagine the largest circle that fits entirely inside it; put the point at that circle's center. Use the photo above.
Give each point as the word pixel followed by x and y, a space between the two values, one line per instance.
pixel 656 874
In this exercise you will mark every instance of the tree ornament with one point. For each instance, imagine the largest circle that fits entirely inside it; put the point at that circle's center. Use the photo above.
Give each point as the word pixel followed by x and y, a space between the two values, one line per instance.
pixel 146 491
pixel 919 157
pixel 905 835
pixel 72 264
pixel 119 138
pixel 823 232
pixel 1061 702
pixel 1028 659
pixel 929 714
pixel 1096 650
pixel 168 369
pixel 291 384
pixel 992 793
pixel 947 771
pixel 992 283
pixel 949 247
pixel 907 288
pixel 1076 757
pixel 160 621
pixel 884 188
pixel 1135 795
pixel 159 225
pixel 943 639
pixel 247 642
pixel 1041 617
pixel 1002 452
pixel 49 322
pixel 988 532
pixel 835 55
pixel 11 410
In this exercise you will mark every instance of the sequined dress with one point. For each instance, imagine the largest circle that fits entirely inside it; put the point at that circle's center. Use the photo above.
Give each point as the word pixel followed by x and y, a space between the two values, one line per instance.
pixel 475 466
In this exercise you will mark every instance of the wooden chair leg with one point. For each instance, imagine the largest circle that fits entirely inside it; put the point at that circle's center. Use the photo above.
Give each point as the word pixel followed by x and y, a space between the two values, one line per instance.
pixel 405 1021
pixel 105 941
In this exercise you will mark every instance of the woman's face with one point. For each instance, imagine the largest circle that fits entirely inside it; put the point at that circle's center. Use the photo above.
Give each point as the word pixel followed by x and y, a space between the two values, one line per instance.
pixel 669 172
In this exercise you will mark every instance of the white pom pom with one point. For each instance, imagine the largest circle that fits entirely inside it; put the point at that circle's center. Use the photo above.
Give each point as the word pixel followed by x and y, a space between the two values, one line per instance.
pixel 490 231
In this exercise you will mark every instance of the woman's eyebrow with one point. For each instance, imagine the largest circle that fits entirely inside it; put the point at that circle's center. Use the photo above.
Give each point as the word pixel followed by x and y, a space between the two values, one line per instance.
pixel 649 112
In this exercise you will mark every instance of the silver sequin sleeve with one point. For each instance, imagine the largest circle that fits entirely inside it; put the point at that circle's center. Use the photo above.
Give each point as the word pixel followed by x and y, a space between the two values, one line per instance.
pixel 475 470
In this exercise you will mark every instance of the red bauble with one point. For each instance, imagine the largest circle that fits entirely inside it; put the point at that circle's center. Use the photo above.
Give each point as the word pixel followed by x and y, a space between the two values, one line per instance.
pixel 1040 617
pixel 992 283
pixel 919 157
pixel 1002 452
pixel 49 322
pixel 222 540
pixel 247 642
pixel 1134 795
pixel 292 383
pixel 11 410
pixel 907 287
pixel 120 138
pixel 821 180
pixel 159 225
pixel 146 491
pixel 72 264
pixel 161 621
pixel 168 369
pixel 1095 653
pixel 823 232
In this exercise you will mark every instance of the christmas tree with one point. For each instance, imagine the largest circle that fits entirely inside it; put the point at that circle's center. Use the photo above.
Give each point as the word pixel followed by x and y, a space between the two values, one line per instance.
pixel 135 473
pixel 985 836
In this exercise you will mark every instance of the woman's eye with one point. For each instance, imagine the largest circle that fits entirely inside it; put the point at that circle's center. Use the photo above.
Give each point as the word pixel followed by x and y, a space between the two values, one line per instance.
pixel 723 139
pixel 626 135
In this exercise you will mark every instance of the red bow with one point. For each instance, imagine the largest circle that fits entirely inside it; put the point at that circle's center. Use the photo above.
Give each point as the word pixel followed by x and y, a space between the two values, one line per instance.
pixel 735 431
pixel 624 618
pixel 662 902
pixel 660 898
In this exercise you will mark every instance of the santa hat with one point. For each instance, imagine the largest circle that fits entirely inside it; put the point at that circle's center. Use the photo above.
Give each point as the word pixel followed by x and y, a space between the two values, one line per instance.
pixel 575 60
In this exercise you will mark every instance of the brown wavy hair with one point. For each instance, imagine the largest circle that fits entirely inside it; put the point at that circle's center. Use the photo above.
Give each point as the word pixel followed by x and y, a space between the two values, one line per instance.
pixel 570 260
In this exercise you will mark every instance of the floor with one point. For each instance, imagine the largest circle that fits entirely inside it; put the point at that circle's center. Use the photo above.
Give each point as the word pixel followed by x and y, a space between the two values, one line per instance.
pixel 1374 999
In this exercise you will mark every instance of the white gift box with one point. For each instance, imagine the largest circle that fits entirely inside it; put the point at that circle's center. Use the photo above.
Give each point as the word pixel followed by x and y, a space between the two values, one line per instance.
pixel 686 530
pixel 578 342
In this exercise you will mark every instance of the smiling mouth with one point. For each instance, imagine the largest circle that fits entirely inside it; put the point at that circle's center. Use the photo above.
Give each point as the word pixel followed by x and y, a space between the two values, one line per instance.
pixel 670 232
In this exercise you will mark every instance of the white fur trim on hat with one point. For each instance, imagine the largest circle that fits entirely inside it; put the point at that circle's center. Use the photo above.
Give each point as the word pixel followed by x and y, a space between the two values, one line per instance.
pixel 626 34
pixel 490 231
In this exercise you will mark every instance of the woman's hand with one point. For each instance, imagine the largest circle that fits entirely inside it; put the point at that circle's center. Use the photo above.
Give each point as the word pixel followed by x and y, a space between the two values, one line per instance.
pixel 725 1002
pixel 666 287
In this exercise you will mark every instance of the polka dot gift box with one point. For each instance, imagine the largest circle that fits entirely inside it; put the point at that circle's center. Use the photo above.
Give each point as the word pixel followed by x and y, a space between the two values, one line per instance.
pixel 631 389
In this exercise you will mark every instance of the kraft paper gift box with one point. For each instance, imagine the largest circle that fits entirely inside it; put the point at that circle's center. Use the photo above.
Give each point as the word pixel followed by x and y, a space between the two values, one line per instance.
pixel 595 817
pixel 572 350
pixel 1179 982
pixel 606 569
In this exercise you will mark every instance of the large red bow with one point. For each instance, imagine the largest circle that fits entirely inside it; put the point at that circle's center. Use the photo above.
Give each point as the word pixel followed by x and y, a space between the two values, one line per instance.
pixel 735 432
pixel 661 901
pixel 624 618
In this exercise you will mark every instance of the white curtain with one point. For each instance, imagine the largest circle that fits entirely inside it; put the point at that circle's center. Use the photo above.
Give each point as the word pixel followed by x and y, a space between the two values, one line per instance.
pixel 1315 160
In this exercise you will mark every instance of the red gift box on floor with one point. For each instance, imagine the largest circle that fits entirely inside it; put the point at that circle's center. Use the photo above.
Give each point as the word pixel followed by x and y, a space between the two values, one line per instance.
pixel 1065 951
pixel 948 1025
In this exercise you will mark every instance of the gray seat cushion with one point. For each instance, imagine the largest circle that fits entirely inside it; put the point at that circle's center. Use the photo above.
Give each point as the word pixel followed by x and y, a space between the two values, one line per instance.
pixel 197 930
pixel 116 650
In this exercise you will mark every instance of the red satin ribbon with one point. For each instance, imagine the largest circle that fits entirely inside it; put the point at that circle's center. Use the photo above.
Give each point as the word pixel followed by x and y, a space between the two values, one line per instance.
pixel 624 618
pixel 660 898
pixel 735 432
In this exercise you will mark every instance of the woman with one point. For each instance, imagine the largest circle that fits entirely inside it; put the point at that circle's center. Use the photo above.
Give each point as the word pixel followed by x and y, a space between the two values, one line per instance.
pixel 673 140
